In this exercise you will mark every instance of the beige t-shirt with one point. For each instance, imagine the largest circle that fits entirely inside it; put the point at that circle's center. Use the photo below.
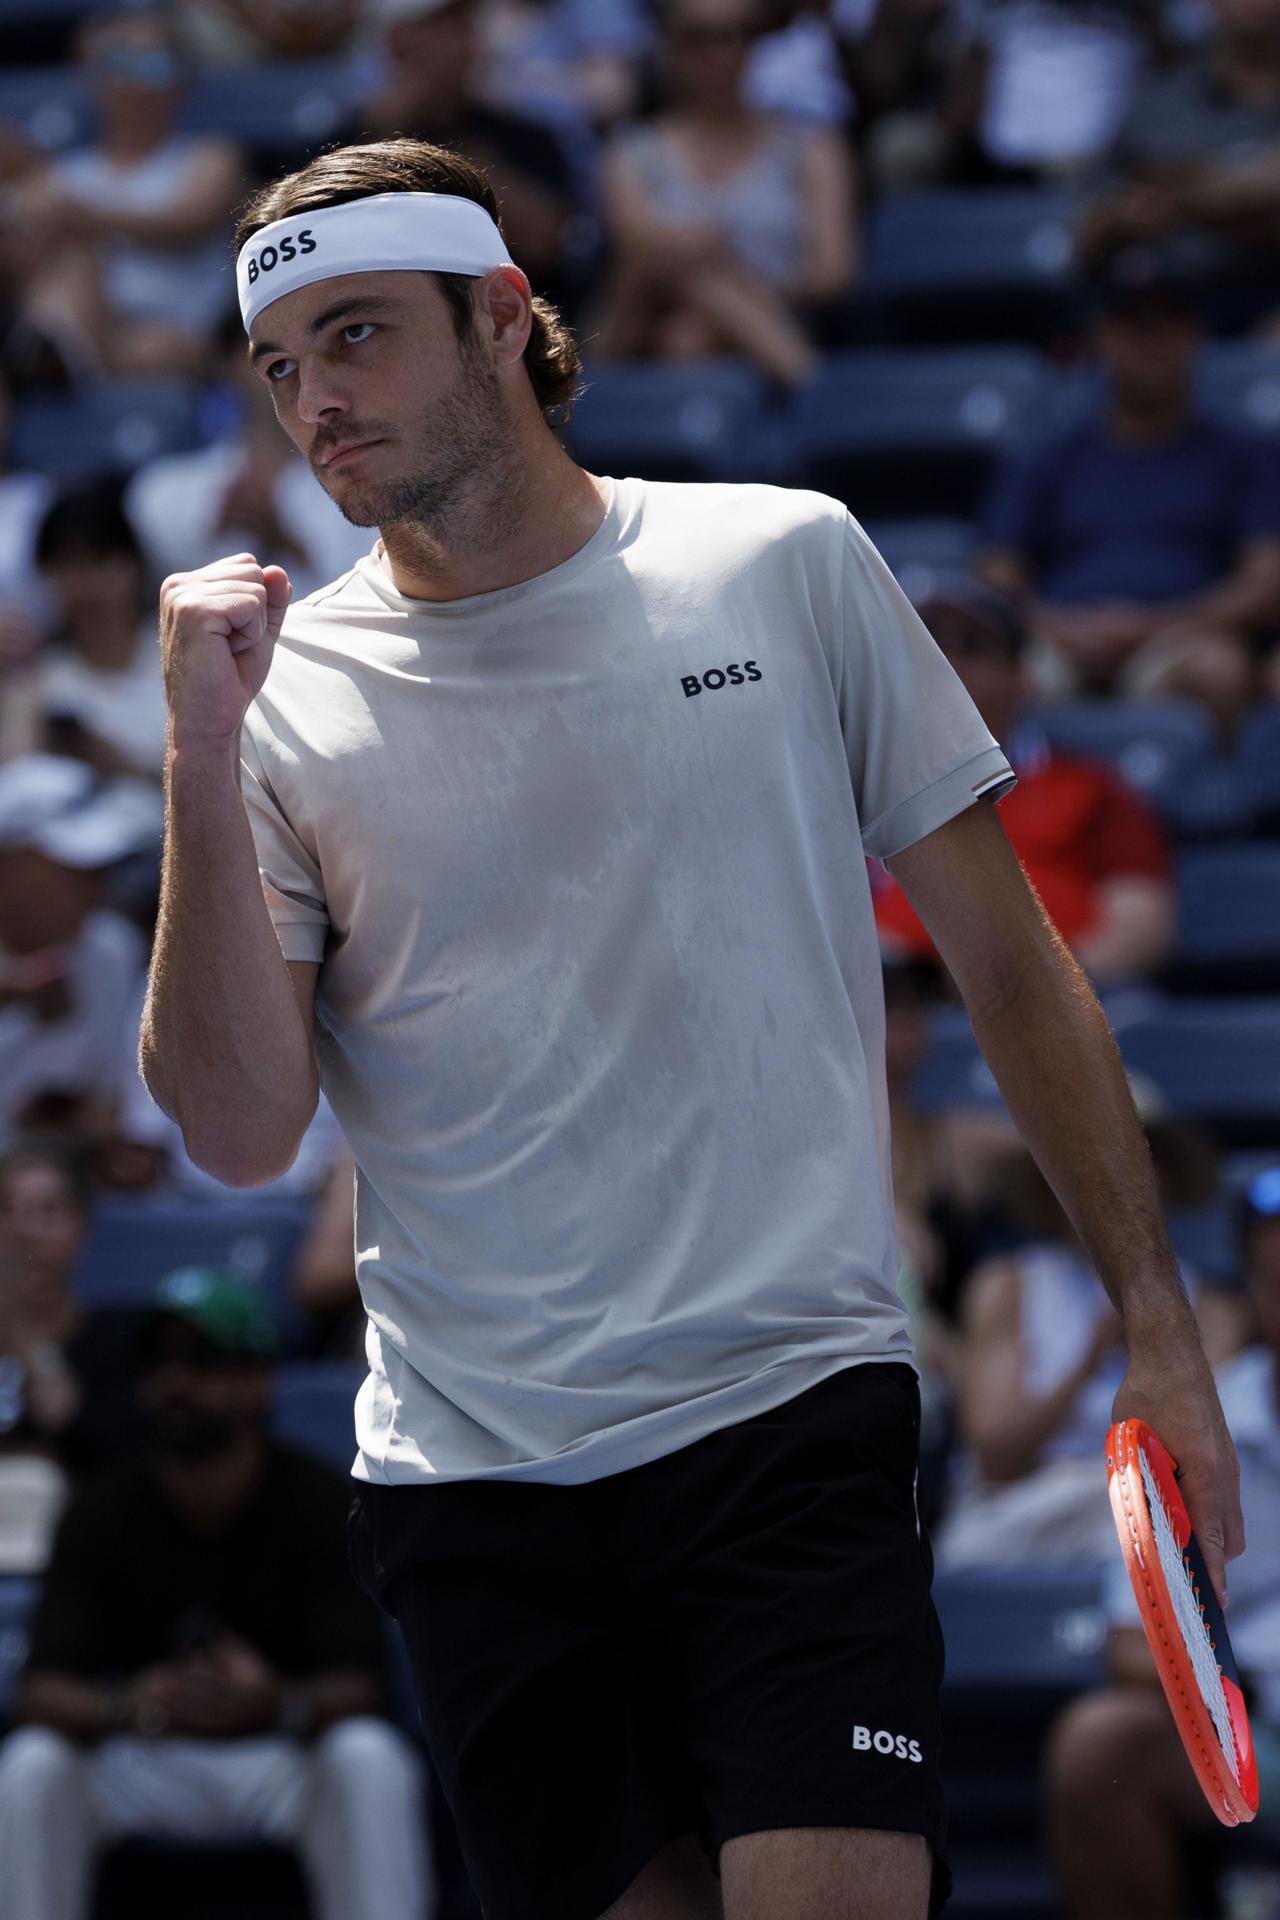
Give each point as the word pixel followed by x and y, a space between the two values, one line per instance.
pixel 600 1008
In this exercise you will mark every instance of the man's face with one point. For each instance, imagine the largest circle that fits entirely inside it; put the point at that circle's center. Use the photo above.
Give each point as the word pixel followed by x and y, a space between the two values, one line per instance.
pixel 1149 354
pixel 196 1399
pixel 370 381
pixel 40 1218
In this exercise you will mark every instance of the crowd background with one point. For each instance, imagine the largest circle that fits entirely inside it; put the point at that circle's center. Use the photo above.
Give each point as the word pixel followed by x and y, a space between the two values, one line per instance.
pixel 1003 275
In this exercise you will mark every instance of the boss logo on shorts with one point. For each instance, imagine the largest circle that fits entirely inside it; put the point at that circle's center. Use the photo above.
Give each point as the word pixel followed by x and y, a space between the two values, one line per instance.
pixel 865 1741
pixel 731 676
pixel 287 248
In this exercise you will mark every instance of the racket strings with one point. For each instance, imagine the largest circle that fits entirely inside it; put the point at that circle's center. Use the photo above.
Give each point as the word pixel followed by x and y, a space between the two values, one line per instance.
pixel 1191 1621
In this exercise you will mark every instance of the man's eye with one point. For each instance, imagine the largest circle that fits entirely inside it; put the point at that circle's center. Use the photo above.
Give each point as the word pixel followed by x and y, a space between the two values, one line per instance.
pixel 279 369
pixel 358 330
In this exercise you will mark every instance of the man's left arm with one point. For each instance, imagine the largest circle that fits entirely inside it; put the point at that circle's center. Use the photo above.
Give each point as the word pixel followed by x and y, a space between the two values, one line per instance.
pixel 1055 1060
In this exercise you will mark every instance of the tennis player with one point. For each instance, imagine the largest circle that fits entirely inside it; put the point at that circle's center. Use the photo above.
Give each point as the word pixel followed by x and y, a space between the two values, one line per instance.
pixel 548 860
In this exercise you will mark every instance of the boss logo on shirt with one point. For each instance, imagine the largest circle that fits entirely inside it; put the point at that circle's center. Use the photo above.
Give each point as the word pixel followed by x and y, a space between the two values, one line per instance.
pixel 731 676
pixel 289 248
pixel 896 1743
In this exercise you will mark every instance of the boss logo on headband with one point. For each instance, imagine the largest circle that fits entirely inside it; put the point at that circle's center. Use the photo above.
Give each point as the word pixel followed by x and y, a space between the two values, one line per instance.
pixel 288 249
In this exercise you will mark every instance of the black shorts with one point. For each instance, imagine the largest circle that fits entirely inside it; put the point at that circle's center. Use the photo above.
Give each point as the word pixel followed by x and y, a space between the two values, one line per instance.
pixel 736 1637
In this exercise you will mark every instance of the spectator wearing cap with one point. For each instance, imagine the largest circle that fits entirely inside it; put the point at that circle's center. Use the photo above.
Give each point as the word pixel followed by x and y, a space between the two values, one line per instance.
pixel 433 89
pixel 1122 1856
pixel 134 225
pixel 201 1663
pixel 101 684
pixel 1147 538
pixel 70 963
pixel 729 227
pixel 1091 846
pixel 248 491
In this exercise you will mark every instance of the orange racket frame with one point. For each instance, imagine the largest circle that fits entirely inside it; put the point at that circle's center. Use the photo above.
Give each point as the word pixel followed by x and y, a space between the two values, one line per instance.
pixel 1234 1801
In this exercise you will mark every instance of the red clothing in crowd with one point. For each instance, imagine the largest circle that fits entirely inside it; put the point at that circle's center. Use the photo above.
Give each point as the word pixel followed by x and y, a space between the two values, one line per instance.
pixel 1074 824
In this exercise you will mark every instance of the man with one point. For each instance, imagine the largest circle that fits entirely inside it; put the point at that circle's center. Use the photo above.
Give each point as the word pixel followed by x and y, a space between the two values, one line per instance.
pixel 1148 536
pixel 201 1664
pixel 1123 1856
pixel 1090 846
pixel 560 801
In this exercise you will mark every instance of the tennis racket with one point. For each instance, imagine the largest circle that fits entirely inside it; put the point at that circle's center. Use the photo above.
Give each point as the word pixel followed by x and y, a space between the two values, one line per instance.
pixel 1182 1620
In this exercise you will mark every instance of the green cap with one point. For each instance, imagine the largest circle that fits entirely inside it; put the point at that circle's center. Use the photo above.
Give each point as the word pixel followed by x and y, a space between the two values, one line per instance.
pixel 224 1310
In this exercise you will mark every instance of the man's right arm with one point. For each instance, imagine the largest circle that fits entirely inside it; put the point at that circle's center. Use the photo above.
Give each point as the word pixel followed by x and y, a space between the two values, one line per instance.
pixel 227 1033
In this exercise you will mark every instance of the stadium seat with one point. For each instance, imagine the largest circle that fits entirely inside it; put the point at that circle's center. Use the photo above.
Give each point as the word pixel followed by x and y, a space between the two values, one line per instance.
pixel 17 1597
pixel 918 551
pixel 1258 754
pixel 112 428
pixel 135 1243
pixel 913 433
pixel 1229 918
pixel 274 109
pixel 50 106
pixel 950 266
pixel 1154 743
pixel 314 1408
pixel 1240 381
pixel 696 422
pixel 1215 1060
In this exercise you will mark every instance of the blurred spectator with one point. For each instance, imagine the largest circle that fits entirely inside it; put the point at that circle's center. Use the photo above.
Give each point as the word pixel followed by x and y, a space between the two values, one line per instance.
pixel 246 492
pixel 1123 1856
pixel 134 227
pixel 1042 84
pixel 433 90
pixel 201 1663
pixel 581 57
pixel 236 33
pixel 69 963
pixel 1149 535
pixel 725 223
pixel 65 1379
pixel 1040 1361
pixel 900 58
pixel 101 684
pixel 1200 149
pixel 23 608
pixel 1092 848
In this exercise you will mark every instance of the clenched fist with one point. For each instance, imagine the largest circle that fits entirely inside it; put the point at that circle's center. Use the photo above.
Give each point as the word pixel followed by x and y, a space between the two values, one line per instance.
pixel 218 630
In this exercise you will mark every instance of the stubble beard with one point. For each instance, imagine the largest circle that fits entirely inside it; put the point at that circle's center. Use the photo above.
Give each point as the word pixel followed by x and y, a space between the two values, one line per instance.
pixel 451 450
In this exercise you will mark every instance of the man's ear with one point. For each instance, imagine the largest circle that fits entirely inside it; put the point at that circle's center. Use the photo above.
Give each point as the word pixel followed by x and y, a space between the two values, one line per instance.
pixel 505 304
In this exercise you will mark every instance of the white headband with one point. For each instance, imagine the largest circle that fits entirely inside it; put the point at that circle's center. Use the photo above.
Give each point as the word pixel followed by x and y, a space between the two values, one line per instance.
pixel 383 233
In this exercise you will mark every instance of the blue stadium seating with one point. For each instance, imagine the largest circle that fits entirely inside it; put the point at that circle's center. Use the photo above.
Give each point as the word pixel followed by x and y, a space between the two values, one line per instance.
pixel 1240 380
pixel 1229 917
pixel 135 1243
pixel 918 551
pixel 696 422
pixel 112 428
pixel 914 433
pixel 1259 757
pixel 1154 743
pixel 17 1597
pixel 949 266
pixel 313 1408
pixel 1215 1060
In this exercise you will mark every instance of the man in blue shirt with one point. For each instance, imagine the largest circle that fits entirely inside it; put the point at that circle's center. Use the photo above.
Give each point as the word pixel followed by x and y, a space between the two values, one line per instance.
pixel 1147 537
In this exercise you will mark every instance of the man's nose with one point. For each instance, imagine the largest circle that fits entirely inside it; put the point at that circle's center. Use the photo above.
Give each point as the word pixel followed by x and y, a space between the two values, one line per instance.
pixel 320 401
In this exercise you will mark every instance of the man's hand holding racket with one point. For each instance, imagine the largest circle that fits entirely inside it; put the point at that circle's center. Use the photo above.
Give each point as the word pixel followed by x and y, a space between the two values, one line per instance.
pixel 1169 1384
pixel 218 629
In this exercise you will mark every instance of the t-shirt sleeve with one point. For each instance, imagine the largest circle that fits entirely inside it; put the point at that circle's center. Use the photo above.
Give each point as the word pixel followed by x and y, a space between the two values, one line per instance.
pixel 1016 512
pixel 1130 841
pixel 918 750
pixel 71 1629
pixel 291 877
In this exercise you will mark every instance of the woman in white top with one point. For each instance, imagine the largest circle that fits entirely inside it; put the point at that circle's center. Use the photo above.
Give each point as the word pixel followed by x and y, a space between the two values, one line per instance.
pixel 723 220
pixel 138 219
pixel 101 687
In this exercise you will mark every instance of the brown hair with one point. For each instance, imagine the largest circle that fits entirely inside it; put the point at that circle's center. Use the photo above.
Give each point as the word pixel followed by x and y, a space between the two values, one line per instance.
pixel 402 165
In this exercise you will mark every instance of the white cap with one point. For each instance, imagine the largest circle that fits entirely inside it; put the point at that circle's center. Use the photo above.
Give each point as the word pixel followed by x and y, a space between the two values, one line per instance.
pixel 65 810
